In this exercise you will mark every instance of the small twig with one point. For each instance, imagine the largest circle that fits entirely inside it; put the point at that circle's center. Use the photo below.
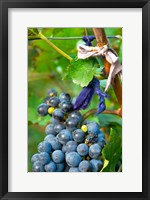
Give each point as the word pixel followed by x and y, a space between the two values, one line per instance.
pixel 93 111
pixel 115 112
pixel 89 113
pixel 40 35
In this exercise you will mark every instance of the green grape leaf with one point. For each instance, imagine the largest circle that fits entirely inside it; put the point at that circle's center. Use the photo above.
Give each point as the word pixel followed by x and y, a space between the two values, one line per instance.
pixel 33 116
pixel 33 102
pixel 112 151
pixel 109 120
pixel 43 121
pixel 82 71
pixel 43 62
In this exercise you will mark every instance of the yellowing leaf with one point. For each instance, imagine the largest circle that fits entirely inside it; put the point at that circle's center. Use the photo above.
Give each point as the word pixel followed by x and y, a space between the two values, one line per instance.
pixel 106 162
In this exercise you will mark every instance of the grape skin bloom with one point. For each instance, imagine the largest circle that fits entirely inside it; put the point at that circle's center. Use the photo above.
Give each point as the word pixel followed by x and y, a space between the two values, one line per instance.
pixel 73 159
pixel 66 147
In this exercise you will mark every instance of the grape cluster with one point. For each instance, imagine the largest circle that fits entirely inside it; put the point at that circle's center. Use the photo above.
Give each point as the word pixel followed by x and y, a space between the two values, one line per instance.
pixel 71 144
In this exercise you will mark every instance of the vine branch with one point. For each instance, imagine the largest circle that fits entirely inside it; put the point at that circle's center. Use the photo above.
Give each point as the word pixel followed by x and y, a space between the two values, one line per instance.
pixel 40 35
pixel 94 111
pixel 32 37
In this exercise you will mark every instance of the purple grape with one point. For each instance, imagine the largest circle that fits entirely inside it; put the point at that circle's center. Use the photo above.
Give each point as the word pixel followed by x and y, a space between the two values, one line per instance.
pixel 50 167
pixel 93 127
pixel 50 129
pixel 78 135
pixel 49 137
pixel 66 106
pixel 37 167
pixel 60 167
pixel 74 169
pixel 75 115
pixel 73 159
pixel 58 156
pixel 52 93
pixel 84 166
pixel 43 109
pixel 55 144
pixel 82 149
pixel 71 146
pixel 44 158
pixel 59 127
pixel 58 114
pixel 44 147
pixel 35 158
pixel 64 136
pixel 64 96
pixel 94 151
pixel 96 165
pixel 54 101
pixel 72 124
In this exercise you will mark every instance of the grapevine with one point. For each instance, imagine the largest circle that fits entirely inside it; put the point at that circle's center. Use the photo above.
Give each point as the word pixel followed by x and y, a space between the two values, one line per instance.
pixel 78 125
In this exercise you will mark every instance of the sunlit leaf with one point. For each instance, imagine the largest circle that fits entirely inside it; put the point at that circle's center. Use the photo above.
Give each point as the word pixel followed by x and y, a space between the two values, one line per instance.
pixel 82 71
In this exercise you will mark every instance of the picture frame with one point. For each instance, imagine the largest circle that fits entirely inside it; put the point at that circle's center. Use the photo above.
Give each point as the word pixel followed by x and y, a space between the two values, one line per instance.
pixel 4 123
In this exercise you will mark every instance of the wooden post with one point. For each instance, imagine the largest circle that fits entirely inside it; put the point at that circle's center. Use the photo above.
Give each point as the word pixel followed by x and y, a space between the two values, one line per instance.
pixel 101 41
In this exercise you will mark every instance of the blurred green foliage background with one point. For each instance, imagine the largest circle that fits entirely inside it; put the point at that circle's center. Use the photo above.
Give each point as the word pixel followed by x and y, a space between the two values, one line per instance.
pixel 46 69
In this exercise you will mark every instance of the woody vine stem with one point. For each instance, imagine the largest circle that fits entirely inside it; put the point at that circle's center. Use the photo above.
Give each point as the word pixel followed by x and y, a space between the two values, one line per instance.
pixel 101 41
